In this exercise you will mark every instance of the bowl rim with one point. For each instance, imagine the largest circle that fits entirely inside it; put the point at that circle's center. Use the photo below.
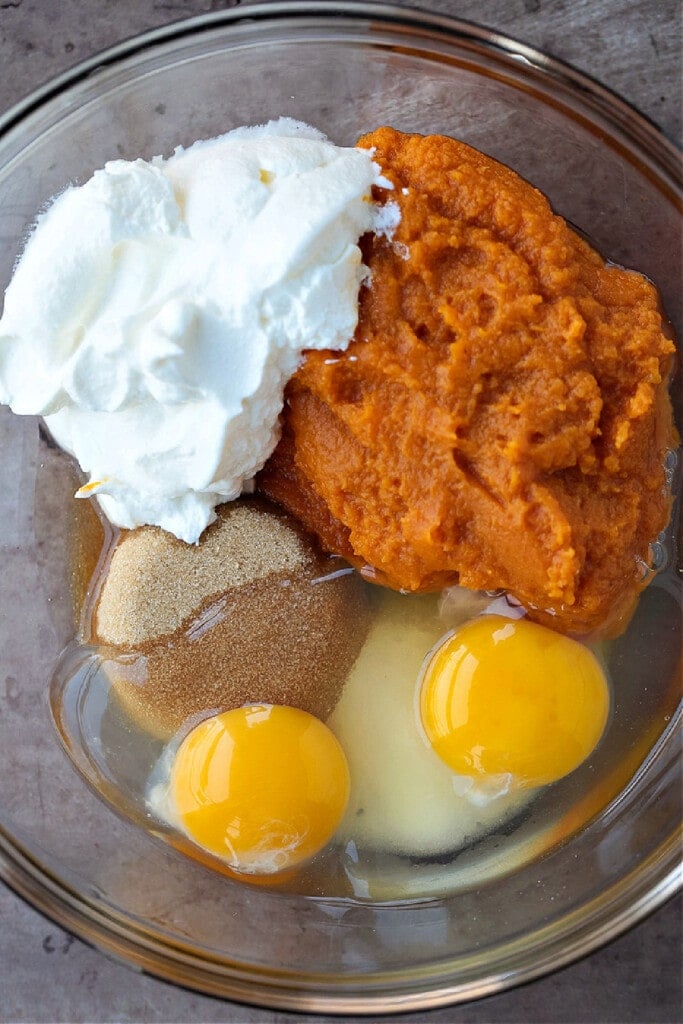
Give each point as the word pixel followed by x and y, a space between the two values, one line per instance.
pixel 642 891
pixel 602 98
pixel 135 948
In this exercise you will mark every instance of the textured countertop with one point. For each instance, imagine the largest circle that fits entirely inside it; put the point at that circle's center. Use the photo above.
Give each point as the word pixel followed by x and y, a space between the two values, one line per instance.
pixel 46 975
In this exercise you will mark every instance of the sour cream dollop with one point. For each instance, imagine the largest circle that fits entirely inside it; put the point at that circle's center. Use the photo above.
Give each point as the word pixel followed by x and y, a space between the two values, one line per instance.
pixel 158 311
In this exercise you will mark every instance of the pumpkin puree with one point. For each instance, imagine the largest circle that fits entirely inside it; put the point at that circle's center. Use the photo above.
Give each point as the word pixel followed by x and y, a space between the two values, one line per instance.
pixel 500 419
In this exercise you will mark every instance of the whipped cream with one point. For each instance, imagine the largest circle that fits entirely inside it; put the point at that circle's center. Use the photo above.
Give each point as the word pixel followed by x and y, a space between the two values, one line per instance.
pixel 158 311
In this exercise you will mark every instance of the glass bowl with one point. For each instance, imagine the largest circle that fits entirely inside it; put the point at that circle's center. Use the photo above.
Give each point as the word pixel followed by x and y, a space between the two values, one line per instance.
pixel 614 855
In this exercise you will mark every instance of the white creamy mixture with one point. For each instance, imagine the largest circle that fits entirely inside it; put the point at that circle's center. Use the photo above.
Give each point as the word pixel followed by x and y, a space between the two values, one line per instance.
pixel 158 311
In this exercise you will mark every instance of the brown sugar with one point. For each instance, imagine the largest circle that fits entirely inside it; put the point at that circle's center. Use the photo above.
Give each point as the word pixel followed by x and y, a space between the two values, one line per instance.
pixel 501 418
pixel 156 582
pixel 254 613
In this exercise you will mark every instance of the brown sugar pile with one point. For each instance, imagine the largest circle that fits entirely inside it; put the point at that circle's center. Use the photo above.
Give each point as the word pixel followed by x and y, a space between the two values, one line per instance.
pixel 501 418
pixel 254 613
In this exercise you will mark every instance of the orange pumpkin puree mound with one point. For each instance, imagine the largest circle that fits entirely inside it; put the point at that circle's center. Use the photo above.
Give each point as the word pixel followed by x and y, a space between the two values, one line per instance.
pixel 500 419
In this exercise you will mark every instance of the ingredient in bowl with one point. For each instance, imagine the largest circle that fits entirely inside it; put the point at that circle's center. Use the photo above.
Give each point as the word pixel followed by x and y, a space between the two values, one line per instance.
pixel 158 311
pixel 501 418
pixel 253 613
pixel 262 787
pixel 404 799
pixel 512 700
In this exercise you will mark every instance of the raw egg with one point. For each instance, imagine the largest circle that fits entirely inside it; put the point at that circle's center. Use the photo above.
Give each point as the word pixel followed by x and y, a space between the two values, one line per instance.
pixel 502 697
pixel 404 799
pixel 263 787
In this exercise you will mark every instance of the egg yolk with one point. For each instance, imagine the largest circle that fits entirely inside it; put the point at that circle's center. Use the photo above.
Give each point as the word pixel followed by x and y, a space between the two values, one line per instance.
pixel 264 787
pixel 512 697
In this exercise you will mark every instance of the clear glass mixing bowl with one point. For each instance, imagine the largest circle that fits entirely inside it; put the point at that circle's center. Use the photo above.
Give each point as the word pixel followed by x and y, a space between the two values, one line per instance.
pixel 345 68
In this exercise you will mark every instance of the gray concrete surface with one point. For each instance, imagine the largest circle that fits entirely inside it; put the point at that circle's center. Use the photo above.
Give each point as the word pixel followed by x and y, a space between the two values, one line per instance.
pixel 46 975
